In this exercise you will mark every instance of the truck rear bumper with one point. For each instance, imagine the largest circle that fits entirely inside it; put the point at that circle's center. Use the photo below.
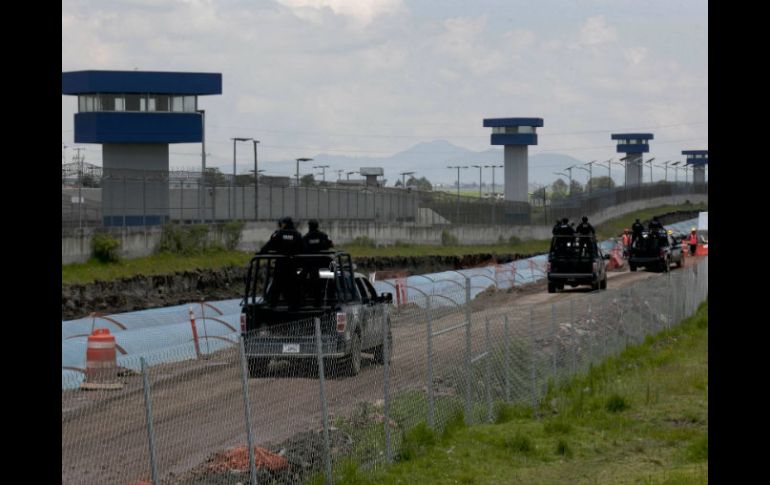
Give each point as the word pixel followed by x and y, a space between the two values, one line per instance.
pixel 294 347
pixel 572 278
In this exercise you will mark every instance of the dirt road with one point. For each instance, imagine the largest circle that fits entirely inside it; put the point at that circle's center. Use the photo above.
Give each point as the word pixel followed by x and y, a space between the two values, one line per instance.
pixel 198 407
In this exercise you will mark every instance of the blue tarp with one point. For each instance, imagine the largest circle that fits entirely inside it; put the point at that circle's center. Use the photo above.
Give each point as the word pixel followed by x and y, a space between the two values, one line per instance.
pixel 165 334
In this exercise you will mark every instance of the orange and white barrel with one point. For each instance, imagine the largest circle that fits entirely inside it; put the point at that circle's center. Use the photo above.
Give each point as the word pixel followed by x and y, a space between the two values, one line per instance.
pixel 101 357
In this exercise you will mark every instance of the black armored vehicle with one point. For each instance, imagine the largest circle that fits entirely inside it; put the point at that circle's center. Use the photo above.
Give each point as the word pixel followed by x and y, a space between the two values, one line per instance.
pixel 655 250
pixel 285 294
pixel 576 260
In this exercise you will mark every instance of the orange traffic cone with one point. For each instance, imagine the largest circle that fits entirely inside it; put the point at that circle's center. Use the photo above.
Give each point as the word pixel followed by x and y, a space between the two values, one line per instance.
pixel 101 362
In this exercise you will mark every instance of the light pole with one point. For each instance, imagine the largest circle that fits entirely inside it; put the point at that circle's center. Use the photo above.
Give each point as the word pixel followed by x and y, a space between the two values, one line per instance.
pixel 458 167
pixel 589 176
pixel 323 171
pixel 350 173
pixel 493 167
pixel 590 173
pixel 256 182
pixel 609 172
pixel 202 204
pixel 296 189
pixel 570 179
pixel 403 178
pixel 623 162
pixel 665 166
pixel 80 189
pixel 650 162
pixel 479 167
pixel 339 173
pixel 231 199
pixel 676 171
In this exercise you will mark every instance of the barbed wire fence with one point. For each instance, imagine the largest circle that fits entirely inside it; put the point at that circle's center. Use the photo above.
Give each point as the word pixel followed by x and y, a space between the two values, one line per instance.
pixel 220 417
pixel 104 198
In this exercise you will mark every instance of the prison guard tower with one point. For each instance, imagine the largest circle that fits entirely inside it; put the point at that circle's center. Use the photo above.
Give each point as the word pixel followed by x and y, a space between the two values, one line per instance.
pixel 135 115
pixel 515 134
pixel 698 159
pixel 633 145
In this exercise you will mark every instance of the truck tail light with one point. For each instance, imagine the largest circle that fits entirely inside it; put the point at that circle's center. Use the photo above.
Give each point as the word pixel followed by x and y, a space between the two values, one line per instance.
pixel 243 323
pixel 342 321
pixel 662 253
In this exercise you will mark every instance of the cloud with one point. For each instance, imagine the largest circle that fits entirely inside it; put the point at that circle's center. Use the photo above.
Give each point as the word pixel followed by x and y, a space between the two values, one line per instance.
pixel 362 11
pixel 595 31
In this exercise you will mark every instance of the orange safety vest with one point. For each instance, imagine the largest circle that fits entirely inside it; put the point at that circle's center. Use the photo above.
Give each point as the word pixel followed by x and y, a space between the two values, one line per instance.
pixel 626 240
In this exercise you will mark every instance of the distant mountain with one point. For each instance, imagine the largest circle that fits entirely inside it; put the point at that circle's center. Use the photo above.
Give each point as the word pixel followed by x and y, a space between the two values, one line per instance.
pixel 430 160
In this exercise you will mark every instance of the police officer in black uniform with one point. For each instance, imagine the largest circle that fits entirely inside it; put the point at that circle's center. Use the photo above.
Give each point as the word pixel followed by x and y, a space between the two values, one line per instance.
pixel 316 240
pixel 636 230
pixel 585 229
pixel 286 241
pixel 655 225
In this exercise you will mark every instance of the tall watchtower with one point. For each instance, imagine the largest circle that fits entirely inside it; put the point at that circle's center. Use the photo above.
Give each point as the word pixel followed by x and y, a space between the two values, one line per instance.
pixel 515 134
pixel 698 159
pixel 633 145
pixel 135 115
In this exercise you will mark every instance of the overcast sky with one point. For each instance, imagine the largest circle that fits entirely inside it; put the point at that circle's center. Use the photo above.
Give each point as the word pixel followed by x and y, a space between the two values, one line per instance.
pixel 375 77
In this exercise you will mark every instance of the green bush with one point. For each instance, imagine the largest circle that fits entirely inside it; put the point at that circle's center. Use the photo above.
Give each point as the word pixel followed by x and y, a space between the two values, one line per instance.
pixel 514 240
pixel 105 248
pixel 363 241
pixel 186 240
pixel 448 239
pixel 232 233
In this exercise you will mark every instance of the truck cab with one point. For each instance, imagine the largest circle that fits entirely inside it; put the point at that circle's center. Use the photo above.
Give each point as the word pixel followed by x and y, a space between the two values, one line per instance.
pixel 576 260
pixel 284 296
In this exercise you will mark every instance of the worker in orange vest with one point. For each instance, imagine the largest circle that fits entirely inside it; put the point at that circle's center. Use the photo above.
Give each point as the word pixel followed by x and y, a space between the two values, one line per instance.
pixel 692 240
pixel 626 241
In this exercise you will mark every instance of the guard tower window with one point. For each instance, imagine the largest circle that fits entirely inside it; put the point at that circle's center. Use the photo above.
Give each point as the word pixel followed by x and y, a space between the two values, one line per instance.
pixel 133 102
pixel 177 103
pixel 158 102
pixel 190 104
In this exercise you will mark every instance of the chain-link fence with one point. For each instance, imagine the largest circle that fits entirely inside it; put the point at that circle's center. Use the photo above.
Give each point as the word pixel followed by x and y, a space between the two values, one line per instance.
pixel 221 415
pixel 122 197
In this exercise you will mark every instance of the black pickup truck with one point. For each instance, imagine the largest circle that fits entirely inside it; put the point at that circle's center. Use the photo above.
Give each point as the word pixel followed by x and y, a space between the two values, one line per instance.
pixel 655 250
pixel 576 260
pixel 284 296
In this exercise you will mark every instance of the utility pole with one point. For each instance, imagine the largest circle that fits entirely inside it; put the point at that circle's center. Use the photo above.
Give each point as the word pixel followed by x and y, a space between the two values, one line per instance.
pixel 339 173
pixel 650 162
pixel 80 188
pixel 458 167
pixel 232 183
pixel 493 167
pixel 403 178
pixel 590 173
pixel 479 167
pixel 323 171
pixel 256 182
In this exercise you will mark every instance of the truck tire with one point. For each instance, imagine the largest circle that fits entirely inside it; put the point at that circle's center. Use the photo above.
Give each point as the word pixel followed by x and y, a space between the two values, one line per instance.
pixel 632 266
pixel 666 265
pixel 350 365
pixel 603 284
pixel 258 366
pixel 551 287
pixel 379 356
pixel 596 286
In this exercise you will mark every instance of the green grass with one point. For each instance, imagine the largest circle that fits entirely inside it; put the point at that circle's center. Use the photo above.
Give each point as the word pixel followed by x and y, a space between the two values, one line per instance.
pixel 404 249
pixel 156 264
pixel 614 227
pixel 637 418
pixel 169 263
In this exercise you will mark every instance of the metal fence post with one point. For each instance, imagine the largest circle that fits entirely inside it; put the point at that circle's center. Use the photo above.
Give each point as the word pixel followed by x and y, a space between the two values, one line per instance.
pixel 507 365
pixel 487 383
pixel 247 409
pixel 431 415
pixel 322 390
pixel 555 342
pixel 574 335
pixel 386 384
pixel 148 414
pixel 468 370
pixel 532 358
